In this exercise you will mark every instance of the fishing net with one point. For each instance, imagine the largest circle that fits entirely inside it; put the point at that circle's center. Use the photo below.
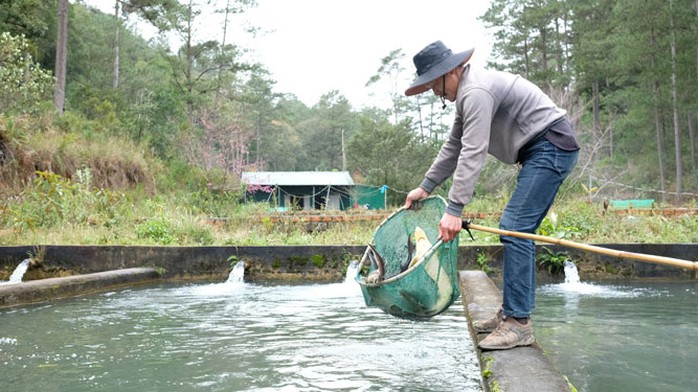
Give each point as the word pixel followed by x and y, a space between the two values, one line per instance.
pixel 427 288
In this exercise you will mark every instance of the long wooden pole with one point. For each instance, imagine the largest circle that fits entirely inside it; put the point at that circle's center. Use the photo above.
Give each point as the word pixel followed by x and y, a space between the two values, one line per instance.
pixel 591 248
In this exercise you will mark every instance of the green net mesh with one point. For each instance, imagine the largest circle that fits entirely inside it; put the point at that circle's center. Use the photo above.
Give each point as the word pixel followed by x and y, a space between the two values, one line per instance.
pixel 431 285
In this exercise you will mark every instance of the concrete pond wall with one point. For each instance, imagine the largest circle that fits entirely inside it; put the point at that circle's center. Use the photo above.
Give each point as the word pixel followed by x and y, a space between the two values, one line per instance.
pixel 312 263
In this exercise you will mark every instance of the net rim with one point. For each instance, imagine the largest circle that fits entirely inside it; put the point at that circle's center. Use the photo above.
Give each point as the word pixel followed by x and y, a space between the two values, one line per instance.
pixel 401 209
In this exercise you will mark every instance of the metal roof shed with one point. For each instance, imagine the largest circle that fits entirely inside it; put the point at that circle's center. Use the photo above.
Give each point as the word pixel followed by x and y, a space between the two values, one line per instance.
pixel 304 190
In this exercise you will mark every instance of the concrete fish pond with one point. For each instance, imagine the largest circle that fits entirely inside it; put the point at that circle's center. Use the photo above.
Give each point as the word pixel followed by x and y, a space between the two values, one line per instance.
pixel 312 290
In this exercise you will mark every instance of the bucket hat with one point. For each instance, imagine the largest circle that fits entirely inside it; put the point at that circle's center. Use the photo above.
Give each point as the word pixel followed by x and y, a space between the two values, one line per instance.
pixel 433 61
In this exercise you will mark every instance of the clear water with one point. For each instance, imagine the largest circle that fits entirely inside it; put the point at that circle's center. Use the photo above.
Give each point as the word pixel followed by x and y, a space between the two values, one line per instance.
pixel 232 336
pixel 624 336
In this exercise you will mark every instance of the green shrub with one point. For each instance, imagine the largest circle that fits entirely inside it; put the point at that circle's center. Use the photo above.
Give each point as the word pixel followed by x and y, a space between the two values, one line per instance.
pixel 483 263
pixel 554 227
pixel 157 230
pixel 553 262
pixel 196 235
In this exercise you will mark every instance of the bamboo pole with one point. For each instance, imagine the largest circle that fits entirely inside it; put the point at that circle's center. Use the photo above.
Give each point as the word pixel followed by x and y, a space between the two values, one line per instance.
pixel 591 248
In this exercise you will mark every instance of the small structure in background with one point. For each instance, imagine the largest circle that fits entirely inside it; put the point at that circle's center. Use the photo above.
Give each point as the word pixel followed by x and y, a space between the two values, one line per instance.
pixel 308 190
pixel 634 203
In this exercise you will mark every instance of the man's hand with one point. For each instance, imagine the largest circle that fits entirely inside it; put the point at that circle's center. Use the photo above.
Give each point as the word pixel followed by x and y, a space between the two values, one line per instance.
pixel 449 226
pixel 415 195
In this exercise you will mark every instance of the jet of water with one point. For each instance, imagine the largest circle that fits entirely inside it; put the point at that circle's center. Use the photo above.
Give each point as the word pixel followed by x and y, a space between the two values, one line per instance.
pixel 237 275
pixel 573 286
pixel 352 271
pixel 19 271
pixel 571 272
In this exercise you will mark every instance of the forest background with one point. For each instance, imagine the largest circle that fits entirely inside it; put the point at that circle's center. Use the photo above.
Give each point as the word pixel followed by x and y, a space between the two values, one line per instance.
pixel 106 137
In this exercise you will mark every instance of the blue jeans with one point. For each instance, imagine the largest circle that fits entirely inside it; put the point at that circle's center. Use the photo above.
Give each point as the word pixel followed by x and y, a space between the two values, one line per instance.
pixel 544 168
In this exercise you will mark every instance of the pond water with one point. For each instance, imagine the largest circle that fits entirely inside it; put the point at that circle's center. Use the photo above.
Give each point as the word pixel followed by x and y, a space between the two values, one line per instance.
pixel 232 336
pixel 621 336
pixel 236 336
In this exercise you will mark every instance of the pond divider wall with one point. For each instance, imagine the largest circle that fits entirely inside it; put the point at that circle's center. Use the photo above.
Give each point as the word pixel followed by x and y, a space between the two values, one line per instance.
pixel 52 288
pixel 519 369
pixel 311 263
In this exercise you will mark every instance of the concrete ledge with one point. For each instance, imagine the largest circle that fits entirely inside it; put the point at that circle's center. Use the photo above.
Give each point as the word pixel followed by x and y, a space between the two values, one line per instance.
pixel 309 262
pixel 524 369
pixel 53 288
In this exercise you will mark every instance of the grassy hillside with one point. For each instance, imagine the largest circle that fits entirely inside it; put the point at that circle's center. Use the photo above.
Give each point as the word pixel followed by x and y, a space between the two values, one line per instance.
pixel 62 182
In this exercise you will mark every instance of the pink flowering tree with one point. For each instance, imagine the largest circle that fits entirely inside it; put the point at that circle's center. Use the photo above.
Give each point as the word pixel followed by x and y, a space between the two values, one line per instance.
pixel 221 146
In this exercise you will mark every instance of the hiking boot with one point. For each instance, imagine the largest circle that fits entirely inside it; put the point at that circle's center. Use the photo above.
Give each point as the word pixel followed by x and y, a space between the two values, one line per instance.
pixel 509 334
pixel 488 325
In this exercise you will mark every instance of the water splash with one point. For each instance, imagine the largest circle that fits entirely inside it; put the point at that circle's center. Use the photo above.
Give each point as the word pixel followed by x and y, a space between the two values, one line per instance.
pixel 352 271
pixel 19 271
pixel 237 274
pixel 574 287
pixel 571 273
pixel 347 288
pixel 8 341
pixel 234 285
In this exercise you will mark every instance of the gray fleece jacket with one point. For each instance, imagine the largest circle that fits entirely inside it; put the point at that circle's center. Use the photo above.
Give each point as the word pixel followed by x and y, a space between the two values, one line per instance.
pixel 496 113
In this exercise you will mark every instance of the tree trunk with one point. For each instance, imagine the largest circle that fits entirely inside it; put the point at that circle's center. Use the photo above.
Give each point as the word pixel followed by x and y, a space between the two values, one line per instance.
pixel 527 67
pixel 61 56
pixel 610 127
pixel 674 104
pixel 596 106
pixel 344 155
pixel 220 70
pixel 657 121
pixel 115 76
pixel 544 56
pixel 188 74
pixel 660 140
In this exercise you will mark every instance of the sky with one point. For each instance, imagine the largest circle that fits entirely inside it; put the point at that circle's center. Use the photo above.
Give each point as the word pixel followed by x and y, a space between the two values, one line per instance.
pixel 312 47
